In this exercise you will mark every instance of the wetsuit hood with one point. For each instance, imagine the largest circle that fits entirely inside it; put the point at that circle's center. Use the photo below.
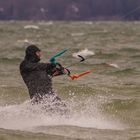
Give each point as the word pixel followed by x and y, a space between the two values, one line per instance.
pixel 31 53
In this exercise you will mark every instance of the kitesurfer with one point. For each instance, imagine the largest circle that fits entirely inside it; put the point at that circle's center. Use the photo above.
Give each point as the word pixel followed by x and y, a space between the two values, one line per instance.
pixel 38 75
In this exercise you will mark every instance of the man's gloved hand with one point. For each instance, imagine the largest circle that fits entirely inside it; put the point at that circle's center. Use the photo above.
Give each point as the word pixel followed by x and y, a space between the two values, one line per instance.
pixel 57 69
pixel 50 68
pixel 60 70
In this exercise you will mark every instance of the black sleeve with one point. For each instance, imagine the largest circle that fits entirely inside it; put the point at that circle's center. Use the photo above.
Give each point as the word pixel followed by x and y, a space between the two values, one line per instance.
pixel 37 66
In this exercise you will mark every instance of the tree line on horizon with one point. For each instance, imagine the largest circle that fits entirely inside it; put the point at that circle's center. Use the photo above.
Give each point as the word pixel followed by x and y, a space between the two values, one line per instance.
pixel 69 9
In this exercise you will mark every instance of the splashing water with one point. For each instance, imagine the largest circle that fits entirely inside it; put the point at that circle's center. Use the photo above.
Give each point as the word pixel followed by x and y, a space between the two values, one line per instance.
pixel 83 113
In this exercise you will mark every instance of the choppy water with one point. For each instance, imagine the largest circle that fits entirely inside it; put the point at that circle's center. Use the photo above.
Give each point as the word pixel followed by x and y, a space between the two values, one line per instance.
pixel 104 105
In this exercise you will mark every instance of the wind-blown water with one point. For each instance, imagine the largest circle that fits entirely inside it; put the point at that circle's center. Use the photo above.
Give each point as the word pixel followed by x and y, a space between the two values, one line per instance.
pixel 103 105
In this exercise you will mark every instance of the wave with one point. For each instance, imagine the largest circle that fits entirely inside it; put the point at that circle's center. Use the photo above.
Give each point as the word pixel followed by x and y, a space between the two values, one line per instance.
pixel 125 72
pixel 16 134
pixel 5 60
pixel 130 50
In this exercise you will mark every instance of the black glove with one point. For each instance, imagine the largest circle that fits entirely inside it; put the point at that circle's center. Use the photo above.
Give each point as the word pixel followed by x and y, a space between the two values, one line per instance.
pixel 59 69
pixel 50 68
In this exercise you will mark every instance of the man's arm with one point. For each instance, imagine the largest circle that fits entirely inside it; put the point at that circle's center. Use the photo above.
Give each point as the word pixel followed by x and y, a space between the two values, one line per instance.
pixel 27 66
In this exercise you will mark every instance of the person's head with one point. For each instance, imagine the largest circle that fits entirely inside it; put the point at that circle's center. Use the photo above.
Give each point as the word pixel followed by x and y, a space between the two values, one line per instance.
pixel 33 53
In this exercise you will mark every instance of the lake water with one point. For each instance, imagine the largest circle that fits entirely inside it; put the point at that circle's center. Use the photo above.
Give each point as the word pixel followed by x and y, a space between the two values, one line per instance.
pixel 103 105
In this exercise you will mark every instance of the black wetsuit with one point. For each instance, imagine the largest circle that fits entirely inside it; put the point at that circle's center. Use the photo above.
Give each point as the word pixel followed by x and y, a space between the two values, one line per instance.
pixel 36 75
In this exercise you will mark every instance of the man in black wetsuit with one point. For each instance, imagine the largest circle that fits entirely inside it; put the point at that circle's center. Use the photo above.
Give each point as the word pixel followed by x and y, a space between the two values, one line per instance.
pixel 38 76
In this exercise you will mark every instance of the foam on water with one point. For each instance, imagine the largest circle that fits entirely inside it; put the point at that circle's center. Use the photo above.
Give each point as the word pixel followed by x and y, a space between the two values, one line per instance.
pixel 82 113
pixel 31 27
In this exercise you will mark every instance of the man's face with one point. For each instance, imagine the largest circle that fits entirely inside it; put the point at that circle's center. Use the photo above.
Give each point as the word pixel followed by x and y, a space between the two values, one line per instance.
pixel 39 54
